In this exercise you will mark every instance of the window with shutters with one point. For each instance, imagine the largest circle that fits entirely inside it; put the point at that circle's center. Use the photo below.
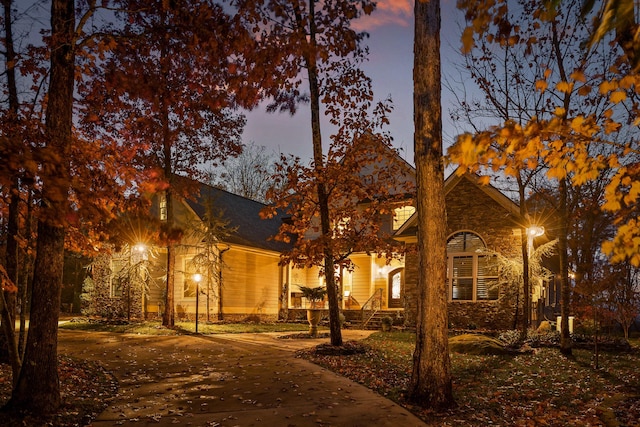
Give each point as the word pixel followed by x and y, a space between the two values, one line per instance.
pixel 472 274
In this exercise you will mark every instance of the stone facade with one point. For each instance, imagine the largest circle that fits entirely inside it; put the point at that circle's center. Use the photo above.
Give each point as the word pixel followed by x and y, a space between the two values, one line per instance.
pixel 475 209
pixel 98 298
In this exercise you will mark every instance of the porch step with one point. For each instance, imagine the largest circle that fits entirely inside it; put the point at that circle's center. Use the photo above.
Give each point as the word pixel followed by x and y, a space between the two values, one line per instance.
pixel 376 321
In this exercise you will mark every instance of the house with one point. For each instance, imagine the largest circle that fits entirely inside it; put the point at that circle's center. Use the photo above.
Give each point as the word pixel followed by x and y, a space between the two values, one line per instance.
pixel 246 279
pixel 237 263
pixel 480 219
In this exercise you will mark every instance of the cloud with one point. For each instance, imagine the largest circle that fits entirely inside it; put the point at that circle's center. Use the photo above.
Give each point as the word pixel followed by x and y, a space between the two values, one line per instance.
pixel 388 12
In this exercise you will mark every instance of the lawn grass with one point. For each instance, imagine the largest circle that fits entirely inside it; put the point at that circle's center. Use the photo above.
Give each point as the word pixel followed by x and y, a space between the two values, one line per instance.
pixel 539 388
pixel 156 328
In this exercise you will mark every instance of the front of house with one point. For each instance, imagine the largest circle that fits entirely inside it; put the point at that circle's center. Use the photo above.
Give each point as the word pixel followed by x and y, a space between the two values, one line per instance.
pixel 246 279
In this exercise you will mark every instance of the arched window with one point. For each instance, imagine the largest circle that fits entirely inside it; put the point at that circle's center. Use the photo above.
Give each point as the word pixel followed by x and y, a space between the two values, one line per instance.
pixel 472 274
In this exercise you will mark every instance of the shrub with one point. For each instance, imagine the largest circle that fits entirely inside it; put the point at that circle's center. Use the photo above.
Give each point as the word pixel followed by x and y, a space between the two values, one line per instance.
pixel 543 339
pixel 511 339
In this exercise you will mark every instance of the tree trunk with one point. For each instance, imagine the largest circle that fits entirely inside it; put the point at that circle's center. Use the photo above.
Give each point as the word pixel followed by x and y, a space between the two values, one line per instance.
pixel 38 388
pixel 431 378
pixel 13 220
pixel 323 197
pixel 168 317
pixel 26 284
pixel 526 291
pixel 565 286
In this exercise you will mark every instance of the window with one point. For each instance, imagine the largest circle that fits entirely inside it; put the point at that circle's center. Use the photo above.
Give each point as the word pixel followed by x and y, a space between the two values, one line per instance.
pixel 472 274
pixel 401 215
pixel 162 207
pixel 396 285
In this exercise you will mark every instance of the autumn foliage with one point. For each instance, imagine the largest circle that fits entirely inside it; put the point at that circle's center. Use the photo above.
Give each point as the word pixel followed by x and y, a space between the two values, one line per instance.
pixel 586 123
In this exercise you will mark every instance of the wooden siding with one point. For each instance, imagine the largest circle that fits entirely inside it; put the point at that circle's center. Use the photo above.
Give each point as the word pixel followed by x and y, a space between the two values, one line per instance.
pixel 361 279
pixel 251 282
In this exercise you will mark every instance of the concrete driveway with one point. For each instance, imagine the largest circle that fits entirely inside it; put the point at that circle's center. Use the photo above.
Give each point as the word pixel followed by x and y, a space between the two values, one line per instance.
pixel 227 380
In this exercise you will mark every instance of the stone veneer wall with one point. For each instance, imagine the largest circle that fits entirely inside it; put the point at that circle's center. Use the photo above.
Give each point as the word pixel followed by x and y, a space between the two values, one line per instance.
pixel 471 209
pixel 97 300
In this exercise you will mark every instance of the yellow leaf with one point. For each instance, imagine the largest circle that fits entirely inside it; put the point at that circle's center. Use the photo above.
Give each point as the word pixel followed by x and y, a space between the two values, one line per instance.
pixel 564 87
pixel 547 73
pixel 467 40
pixel 484 180
pixel 613 161
pixel 628 81
pixel 578 76
pixel 617 96
pixel 541 85
pixel 576 124
pixel 610 126
pixel 612 205
pixel 607 247
pixel 633 194
pixel 560 111
pixel 606 87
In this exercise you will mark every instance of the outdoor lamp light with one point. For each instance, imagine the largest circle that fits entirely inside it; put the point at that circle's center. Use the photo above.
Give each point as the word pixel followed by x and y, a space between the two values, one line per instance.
pixel 535 231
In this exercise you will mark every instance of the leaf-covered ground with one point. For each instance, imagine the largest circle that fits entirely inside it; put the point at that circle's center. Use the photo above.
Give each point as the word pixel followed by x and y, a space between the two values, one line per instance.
pixel 542 388
pixel 85 389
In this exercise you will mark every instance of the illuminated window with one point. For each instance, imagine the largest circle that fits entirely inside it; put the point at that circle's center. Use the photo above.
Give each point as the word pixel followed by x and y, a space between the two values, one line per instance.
pixel 401 215
pixel 472 275
pixel 162 205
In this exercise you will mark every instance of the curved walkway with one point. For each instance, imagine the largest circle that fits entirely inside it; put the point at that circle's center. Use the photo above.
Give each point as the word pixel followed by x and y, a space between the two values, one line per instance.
pixel 227 380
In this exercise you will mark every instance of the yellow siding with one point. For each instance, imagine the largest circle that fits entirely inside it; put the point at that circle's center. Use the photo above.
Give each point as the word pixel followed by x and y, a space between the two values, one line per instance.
pixel 251 282
pixel 361 279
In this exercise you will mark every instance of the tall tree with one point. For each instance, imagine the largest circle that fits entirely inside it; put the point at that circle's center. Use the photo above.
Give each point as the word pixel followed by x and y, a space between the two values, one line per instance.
pixel 431 378
pixel 573 122
pixel 40 360
pixel 166 91
pixel 307 40
pixel 619 18
pixel 13 143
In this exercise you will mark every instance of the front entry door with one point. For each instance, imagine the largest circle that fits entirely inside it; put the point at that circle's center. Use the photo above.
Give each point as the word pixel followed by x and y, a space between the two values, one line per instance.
pixel 396 288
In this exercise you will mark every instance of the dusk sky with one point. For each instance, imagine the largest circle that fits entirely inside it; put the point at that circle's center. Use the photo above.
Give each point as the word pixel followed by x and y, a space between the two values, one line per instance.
pixel 390 66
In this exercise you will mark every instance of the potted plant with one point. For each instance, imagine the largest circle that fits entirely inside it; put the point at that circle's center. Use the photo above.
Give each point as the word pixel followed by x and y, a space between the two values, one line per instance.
pixel 314 313
pixel 387 323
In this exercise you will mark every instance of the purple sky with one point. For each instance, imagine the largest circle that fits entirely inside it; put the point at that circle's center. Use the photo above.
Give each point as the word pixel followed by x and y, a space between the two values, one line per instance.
pixel 390 66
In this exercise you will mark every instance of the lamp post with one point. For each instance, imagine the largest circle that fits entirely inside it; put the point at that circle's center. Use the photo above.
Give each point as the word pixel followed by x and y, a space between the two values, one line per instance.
pixel 197 278
pixel 533 231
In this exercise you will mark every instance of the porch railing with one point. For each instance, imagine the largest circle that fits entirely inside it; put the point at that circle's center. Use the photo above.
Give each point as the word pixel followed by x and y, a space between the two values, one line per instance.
pixel 371 307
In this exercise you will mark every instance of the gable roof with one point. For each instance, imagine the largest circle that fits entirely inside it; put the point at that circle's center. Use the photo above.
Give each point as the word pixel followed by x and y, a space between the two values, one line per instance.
pixel 454 179
pixel 410 226
pixel 243 215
